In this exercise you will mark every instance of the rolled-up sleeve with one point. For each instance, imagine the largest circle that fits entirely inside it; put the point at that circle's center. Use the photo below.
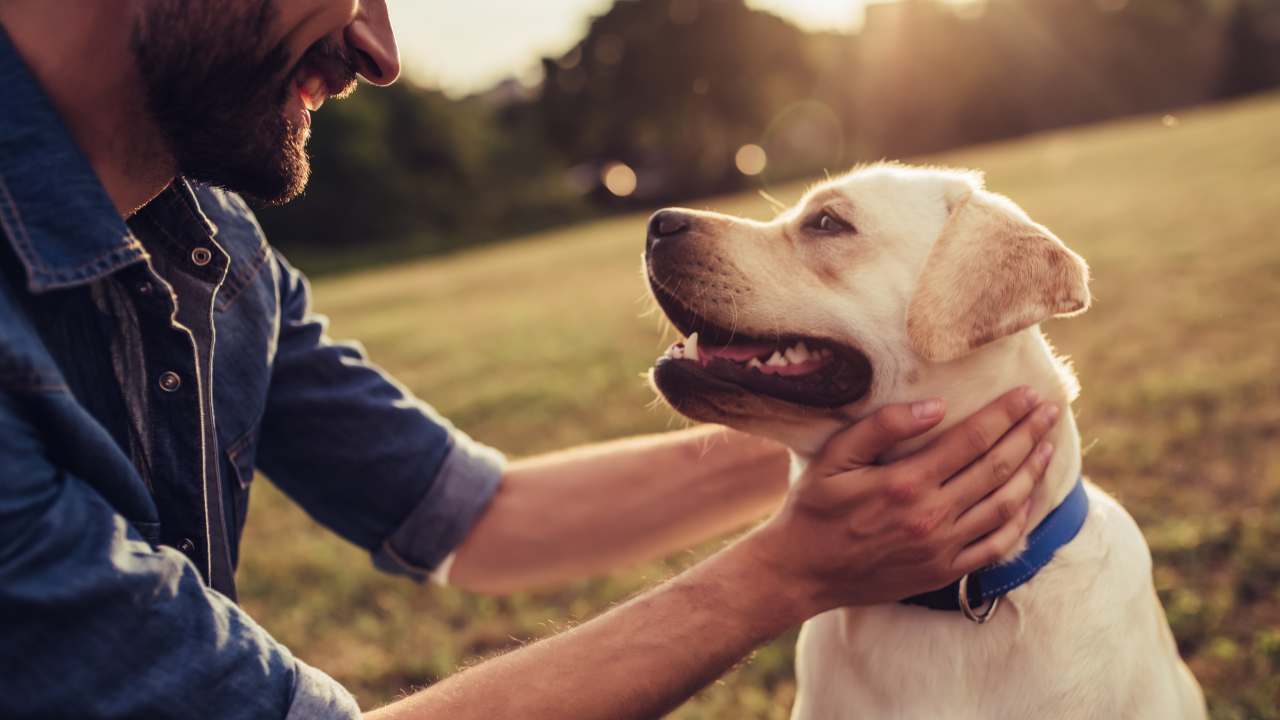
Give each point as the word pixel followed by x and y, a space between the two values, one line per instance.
pixel 99 624
pixel 360 453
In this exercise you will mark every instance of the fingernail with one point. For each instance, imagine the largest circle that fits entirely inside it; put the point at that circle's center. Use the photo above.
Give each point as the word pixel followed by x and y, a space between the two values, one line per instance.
pixel 1045 452
pixel 1051 412
pixel 926 409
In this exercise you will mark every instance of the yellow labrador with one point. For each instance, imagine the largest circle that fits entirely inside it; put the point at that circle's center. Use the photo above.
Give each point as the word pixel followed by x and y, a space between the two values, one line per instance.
pixel 894 284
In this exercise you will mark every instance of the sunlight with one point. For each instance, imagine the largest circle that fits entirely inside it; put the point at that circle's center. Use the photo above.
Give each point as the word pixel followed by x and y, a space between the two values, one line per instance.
pixel 817 14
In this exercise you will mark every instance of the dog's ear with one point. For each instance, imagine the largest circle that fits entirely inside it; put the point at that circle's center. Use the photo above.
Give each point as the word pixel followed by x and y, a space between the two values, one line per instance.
pixel 991 273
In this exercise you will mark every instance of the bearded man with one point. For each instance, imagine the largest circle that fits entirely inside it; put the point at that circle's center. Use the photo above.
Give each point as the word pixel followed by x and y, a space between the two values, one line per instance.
pixel 155 350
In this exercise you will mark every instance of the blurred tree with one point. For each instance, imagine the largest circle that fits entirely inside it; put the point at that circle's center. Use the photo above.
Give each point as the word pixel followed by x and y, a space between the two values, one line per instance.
pixel 674 88
pixel 412 166
pixel 1253 56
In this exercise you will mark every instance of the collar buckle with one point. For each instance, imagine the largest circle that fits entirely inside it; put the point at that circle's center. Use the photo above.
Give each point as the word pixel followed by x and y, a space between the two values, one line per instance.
pixel 984 612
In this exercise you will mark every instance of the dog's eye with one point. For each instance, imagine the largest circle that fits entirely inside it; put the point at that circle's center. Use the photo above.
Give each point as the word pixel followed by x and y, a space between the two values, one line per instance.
pixel 826 222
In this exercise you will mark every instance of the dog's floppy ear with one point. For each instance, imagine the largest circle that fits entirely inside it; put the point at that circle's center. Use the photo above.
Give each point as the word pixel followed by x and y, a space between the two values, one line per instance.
pixel 991 273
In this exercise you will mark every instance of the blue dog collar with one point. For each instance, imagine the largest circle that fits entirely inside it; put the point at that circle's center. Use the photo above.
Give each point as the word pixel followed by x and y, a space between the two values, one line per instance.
pixel 989 584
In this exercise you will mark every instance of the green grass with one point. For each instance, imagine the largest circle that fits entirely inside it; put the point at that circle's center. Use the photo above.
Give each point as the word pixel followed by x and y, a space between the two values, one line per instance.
pixel 540 342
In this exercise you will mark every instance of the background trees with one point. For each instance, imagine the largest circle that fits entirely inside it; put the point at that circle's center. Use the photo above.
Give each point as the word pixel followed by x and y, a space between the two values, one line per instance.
pixel 674 88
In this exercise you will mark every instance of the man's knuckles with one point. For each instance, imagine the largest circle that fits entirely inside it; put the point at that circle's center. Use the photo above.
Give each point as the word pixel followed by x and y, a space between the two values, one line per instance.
pixel 922 525
pixel 1001 468
pixel 903 490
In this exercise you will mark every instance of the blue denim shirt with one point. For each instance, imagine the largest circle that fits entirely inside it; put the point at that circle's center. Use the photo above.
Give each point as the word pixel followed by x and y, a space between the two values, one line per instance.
pixel 146 369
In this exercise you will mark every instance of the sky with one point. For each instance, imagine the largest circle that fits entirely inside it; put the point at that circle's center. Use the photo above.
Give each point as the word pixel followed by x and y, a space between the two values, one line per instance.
pixel 462 46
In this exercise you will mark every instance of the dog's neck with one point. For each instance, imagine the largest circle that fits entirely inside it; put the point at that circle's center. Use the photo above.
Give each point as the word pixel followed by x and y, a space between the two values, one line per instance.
pixel 969 383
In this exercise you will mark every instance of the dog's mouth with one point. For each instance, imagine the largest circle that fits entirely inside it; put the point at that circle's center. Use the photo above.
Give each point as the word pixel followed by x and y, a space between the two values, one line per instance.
pixel 795 368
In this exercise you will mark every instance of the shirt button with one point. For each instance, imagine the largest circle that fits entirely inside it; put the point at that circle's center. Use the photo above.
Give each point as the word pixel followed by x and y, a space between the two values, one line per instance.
pixel 144 289
pixel 201 256
pixel 186 546
pixel 170 382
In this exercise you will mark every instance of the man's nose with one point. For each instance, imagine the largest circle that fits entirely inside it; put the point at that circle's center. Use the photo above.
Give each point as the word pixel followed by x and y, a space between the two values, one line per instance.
pixel 373 43
pixel 667 225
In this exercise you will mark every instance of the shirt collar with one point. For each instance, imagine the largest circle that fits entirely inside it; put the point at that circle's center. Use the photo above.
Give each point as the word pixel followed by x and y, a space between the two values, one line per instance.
pixel 53 209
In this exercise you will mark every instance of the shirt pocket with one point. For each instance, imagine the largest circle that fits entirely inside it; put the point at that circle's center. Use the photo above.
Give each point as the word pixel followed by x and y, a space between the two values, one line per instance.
pixel 240 460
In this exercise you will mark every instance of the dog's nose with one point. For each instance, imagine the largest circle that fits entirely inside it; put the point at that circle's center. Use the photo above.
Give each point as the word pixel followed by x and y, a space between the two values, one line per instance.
pixel 666 224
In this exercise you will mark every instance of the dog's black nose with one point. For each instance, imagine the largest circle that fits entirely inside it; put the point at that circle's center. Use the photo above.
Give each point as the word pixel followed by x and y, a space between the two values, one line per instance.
pixel 666 224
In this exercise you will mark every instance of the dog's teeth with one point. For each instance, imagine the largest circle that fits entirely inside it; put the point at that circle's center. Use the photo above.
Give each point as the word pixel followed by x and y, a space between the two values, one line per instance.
pixel 797 354
pixel 691 347
pixel 776 360
pixel 755 364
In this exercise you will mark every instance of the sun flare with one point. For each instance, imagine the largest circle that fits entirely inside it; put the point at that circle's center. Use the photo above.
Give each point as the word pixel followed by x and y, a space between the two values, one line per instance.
pixel 817 14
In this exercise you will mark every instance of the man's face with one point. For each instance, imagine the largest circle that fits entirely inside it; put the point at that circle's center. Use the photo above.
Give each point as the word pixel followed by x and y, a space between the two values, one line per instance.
pixel 231 84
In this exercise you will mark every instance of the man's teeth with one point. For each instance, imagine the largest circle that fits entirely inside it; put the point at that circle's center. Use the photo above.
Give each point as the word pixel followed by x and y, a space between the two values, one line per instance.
pixel 312 92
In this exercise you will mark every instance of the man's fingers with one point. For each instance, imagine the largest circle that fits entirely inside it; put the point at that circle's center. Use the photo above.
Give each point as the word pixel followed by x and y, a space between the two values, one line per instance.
pixel 994 546
pixel 959 446
pixel 1003 505
pixel 998 466
pixel 870 437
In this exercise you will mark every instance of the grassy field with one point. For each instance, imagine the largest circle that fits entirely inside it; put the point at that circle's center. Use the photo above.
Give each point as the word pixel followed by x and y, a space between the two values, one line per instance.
pixel 540 342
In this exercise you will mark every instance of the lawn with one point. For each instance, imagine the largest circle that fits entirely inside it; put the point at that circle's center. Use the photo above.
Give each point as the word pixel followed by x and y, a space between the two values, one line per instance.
pixel 540 342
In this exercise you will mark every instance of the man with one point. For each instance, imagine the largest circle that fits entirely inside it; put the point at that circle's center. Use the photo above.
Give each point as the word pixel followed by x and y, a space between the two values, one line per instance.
pixel 154 350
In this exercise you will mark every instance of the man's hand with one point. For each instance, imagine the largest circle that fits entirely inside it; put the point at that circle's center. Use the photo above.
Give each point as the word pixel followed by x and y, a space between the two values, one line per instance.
pixel 855 533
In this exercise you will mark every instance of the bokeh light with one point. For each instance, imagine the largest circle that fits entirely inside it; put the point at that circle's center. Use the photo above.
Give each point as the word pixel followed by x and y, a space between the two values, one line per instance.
pixel 619 179
pixel 751 159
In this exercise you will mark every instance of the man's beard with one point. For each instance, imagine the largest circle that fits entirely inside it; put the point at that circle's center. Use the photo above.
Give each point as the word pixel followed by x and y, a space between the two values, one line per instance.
pixel 217 92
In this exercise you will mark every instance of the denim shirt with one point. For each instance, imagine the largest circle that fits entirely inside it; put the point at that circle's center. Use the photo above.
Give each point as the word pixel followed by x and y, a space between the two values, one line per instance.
pixel 146 369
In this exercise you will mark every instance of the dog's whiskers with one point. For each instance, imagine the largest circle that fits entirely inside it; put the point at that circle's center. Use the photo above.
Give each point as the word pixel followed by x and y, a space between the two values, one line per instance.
pixel 778 205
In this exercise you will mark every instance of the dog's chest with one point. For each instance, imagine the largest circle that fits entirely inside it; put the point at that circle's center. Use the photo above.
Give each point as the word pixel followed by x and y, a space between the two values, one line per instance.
pixel 1085 635
pixel 901 662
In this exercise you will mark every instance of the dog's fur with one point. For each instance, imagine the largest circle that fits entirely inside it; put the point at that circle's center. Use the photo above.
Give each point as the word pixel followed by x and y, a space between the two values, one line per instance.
pixel 941 285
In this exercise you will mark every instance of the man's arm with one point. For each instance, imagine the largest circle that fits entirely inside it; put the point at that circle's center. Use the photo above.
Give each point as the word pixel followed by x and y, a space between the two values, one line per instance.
pixel 579 512
pixel 373 463
pixel 850 533
pixel 96 623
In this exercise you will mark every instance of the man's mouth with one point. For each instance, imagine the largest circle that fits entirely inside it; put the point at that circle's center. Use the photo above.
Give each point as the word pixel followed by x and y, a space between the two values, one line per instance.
pixel 324 72
pixel 312 90
pixel 800 369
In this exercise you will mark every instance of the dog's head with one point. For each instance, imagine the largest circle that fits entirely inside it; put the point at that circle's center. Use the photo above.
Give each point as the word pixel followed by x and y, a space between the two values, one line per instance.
pixel 798 326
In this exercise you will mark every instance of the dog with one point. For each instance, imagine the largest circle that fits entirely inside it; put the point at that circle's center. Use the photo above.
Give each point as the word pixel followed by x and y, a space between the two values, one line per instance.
pixel 892 284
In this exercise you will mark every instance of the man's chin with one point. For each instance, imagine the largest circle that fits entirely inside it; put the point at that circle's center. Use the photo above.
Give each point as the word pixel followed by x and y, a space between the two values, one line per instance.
pixel 266 186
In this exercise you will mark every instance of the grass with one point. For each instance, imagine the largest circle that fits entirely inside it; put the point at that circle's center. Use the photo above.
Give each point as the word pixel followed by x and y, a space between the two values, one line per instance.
pixel 540 343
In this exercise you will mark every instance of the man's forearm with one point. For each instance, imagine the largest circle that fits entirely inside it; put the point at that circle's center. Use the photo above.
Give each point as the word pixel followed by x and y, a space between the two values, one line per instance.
pixel 589 510
pixel 639 660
